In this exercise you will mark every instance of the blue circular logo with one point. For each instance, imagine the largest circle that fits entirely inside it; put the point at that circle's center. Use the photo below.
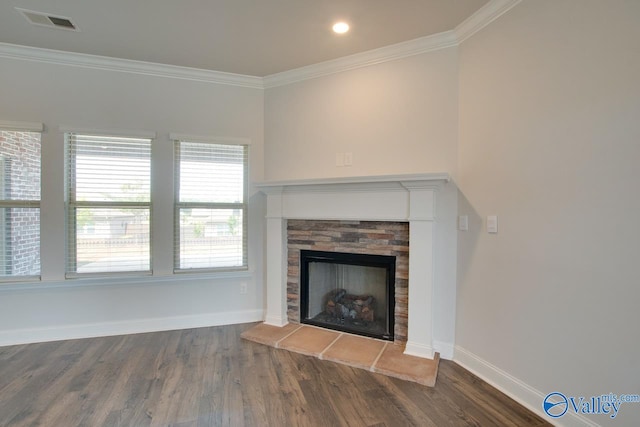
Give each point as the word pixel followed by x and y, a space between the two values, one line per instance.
pixel 555 404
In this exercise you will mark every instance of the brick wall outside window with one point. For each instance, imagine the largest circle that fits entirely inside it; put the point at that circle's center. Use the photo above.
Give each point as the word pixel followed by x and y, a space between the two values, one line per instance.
pixel 20 157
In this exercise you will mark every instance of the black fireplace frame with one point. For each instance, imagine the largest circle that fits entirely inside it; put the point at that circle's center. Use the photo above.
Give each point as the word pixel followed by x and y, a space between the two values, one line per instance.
pixel 387 262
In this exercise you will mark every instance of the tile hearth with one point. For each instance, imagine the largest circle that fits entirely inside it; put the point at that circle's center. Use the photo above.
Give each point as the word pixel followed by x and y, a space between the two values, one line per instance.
pixel 374 355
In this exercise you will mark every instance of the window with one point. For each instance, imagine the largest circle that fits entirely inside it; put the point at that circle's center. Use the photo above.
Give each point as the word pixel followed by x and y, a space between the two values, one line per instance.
pixel 19 203
pixel 109 204
pixel 211 205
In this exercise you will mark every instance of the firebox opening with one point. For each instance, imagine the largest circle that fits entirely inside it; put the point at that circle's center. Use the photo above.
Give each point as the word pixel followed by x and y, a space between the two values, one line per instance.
pixel 348 292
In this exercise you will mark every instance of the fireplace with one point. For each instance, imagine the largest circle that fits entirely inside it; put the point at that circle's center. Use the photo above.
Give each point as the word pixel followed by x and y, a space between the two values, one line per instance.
pixel 425 282
pixel 348 292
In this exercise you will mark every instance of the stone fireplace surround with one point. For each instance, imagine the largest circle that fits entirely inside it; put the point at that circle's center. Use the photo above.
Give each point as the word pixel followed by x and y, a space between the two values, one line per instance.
pixel 361 237
pixel 404 198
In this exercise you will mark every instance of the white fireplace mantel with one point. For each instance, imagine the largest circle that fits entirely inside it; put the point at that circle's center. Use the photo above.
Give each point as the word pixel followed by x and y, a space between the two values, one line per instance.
pixel 410 198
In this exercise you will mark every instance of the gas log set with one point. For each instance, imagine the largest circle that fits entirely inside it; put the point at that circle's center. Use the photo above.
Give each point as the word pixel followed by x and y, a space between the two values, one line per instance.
pixel 358 308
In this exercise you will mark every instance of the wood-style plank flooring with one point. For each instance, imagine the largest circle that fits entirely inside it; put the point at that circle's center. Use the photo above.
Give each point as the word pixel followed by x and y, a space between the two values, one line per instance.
pixel 210 377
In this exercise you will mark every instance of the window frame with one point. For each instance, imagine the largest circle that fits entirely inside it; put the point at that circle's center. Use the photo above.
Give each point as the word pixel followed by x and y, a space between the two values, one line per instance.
pixel 71 204
pixel 32 127
pixel 178 205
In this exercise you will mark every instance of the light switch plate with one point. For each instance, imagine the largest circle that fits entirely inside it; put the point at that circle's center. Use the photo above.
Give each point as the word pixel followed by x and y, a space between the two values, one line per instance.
pixel 492 224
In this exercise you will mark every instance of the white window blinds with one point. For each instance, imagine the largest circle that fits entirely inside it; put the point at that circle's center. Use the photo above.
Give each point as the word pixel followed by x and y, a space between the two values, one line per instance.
pixel 109 204
pixel 19 204
pixel 211 206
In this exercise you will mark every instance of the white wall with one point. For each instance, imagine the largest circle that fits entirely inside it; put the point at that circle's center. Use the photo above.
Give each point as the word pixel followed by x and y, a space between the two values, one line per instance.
pixel 89 98
pixel 550 142
pixel 398 117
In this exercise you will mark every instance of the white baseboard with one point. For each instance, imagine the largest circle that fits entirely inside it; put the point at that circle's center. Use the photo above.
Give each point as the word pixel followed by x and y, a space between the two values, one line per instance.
pixel 279 321
pixel 136 326
pixel 419 350
pixel 444 348
pixel 518 390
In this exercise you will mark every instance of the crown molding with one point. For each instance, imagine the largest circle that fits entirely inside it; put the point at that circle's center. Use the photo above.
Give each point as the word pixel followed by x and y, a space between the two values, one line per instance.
pixel 363 59
pixel 126 65
pixel 483 17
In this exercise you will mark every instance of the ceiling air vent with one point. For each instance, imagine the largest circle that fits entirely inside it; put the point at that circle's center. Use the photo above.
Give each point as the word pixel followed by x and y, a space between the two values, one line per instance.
pixel 48 20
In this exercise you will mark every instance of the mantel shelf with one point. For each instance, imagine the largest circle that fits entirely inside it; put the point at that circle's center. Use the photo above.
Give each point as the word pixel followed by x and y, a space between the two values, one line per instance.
pixel 375 179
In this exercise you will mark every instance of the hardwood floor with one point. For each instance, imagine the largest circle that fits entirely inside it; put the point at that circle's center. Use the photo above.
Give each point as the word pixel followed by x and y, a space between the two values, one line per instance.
pixel 210 377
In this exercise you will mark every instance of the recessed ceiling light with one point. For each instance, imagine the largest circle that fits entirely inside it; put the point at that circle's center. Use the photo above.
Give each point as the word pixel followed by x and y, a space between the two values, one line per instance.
pixel 340 27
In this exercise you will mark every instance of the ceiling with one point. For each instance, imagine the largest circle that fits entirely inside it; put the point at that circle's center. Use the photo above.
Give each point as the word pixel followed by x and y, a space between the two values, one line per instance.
pixel 251 37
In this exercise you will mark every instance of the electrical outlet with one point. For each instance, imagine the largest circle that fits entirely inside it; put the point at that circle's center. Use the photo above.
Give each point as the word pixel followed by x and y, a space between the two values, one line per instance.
pixel 463 223
pixel 243 288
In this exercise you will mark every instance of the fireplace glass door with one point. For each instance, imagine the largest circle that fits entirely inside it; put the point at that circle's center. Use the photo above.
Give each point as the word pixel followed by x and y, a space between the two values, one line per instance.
pixel 348 292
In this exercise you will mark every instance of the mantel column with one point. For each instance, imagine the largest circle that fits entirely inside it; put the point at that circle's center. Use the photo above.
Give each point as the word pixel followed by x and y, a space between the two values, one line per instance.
pixel 421 269
pixel 276 260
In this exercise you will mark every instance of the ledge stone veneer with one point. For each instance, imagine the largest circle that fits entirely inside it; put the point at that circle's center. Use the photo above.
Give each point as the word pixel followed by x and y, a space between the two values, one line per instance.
pixel 362 237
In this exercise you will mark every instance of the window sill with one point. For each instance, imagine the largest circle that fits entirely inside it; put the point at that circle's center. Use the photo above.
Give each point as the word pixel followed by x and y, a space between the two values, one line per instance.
pixel 122 281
